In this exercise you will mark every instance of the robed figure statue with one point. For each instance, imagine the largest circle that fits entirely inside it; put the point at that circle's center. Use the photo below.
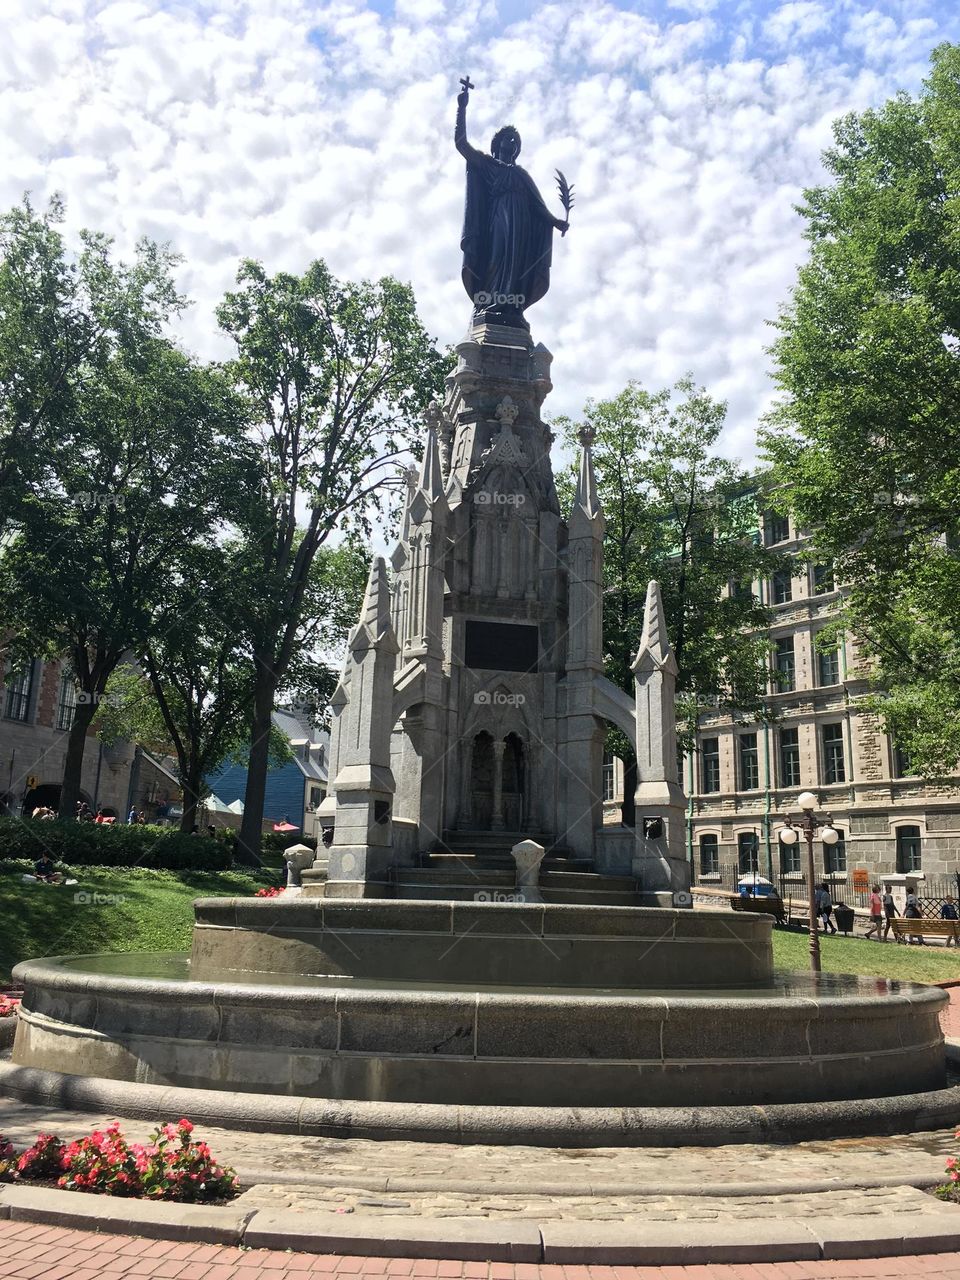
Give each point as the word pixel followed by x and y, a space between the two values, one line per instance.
pixel 507 229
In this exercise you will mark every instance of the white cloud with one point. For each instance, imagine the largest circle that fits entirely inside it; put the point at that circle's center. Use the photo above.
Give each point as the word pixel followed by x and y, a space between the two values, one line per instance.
pixel 288 129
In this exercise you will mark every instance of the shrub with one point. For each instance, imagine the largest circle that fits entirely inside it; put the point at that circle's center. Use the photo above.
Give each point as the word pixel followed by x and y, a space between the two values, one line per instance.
pixel 274 843
pixel 273 891
pixel 8 1160
pixel 171 1166
pixel 8 1006
pixel 84 844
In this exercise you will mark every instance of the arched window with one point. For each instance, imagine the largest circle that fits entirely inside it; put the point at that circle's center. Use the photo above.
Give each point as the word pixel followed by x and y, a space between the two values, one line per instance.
pixel 748 851
pixel 709 855
pixel 908 849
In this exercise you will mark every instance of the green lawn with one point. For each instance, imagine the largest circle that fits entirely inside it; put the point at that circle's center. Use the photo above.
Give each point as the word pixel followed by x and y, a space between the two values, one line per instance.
pixel 156 913
pixel 932 963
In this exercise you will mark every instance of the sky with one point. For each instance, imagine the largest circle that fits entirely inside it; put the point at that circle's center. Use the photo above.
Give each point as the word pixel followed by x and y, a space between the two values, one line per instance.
pixel 287 130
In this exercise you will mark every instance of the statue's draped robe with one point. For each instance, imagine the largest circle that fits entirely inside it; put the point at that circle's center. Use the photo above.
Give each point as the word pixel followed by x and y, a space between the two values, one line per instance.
pixel 507 234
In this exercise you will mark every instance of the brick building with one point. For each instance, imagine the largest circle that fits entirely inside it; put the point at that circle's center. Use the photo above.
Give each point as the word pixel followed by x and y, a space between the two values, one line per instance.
pixel 37 705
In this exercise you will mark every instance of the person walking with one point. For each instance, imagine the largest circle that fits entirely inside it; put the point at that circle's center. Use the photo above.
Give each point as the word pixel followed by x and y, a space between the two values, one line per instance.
pixel 825 908
pixel 948 911
pixel 889 911
pixel 911 911
pixel 876 914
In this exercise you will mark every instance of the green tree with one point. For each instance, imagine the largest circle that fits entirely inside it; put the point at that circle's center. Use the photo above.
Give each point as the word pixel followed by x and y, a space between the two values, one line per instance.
pixel 61 317
pixel 336 374
pixel 678 512
pixel 93 551
pixel 865 442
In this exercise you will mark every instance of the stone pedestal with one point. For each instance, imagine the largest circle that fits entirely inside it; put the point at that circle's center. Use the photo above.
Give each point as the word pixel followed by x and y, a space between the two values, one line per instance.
pixel 298 857
pixel 528 855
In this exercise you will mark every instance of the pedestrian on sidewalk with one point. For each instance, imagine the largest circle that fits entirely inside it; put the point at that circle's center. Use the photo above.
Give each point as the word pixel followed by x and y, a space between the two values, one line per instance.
pixel 889 911
pixel 825 908
pixel 876 914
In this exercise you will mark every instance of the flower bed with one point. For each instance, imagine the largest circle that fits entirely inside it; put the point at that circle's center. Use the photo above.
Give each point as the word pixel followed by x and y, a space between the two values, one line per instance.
pixel 950 1190
pixel 171 1165
pixel 273 892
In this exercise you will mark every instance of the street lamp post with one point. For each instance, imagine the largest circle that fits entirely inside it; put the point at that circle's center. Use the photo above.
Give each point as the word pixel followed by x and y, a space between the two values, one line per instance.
pixel 829 835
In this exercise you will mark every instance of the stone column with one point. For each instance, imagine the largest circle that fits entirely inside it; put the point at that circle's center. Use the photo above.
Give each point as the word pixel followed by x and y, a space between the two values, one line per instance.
pixel 499 746
pixel 659 862
pixel 528 855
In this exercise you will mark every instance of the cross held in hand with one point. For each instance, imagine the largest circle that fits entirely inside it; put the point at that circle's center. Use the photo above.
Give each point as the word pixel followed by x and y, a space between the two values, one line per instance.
pixel 467 86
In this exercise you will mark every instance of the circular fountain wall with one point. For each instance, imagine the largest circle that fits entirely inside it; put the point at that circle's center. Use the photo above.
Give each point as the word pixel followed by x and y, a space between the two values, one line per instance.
pixel 461 1005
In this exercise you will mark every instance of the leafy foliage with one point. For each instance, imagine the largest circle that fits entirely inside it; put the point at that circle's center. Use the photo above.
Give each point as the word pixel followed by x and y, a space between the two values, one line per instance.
pixel 118 845
pixel 865 443
pixel 335 373
pixel 678 512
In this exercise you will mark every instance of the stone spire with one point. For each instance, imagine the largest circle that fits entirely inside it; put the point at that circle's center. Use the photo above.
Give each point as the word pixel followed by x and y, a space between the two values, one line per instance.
pixel 585 567
pixel 659 862
pixel 364 782
pixel 585 499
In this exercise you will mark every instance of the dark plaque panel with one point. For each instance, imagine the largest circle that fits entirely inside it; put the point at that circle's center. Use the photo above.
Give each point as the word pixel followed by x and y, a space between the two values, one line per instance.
pixel 501 646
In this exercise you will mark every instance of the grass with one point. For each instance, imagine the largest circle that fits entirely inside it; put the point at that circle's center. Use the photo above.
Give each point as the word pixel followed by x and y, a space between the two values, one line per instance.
pixel 932 963
pixel 155 914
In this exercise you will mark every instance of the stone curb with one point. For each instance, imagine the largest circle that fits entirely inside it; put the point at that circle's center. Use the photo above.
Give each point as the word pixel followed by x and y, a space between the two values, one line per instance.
pixel 928 1174
pixel 497 1126
pixel 607 1243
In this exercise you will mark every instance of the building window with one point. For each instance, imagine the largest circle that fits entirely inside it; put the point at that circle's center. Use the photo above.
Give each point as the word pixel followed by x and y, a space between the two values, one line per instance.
pixel 790 858
pixel 908 849
pixel 19 688
pixel 835 857
pixel 781 586
pixel 66 701
pixel 316 797
pixel 902 768
pixel 833 766
pixel 709 856
pixel 822 579
pixel 785 665
pixel 710 765
pixel 609 780
pixel 790 757
pixel 749 762
pixel 775 528
pixel 748 852
pixel 828 667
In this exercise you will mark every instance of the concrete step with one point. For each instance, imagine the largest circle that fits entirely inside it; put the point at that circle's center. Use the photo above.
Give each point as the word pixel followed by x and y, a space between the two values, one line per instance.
pixel 495 862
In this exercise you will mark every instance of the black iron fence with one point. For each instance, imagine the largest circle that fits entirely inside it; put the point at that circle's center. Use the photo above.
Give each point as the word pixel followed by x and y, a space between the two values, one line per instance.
pixel 933 890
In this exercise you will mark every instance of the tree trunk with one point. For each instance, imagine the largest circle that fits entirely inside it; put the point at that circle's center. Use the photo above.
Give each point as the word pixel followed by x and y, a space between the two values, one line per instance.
pixel 73 764
pixel 251 827
pixel 192 787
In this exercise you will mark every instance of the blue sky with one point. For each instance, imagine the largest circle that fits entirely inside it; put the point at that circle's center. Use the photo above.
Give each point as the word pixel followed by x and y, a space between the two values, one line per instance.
pixel 291 129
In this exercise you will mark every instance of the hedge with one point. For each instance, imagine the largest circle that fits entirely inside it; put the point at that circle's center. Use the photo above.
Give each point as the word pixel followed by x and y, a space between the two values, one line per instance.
pixel 84 844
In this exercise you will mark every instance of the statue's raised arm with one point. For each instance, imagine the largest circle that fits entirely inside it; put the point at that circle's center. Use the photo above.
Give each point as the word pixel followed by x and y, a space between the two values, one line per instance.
pixel 470 154
pixel 507 229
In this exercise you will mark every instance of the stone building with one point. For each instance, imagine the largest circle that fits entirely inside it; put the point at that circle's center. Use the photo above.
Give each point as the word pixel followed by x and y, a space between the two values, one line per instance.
pixel 741 779
pixel 37 705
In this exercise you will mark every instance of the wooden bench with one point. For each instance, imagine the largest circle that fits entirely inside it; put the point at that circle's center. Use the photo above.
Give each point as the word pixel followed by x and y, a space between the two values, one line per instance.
pixel 769 905
pixel 903 929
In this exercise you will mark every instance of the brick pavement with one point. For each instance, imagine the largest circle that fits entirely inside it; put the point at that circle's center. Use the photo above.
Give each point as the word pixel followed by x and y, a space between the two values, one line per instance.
pixel 31 1252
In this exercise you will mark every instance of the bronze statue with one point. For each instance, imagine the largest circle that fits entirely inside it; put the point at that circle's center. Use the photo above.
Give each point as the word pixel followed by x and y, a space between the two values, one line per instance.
pixel 508 231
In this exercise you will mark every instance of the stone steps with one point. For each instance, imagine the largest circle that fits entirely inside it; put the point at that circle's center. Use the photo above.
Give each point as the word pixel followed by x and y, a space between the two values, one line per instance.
pixel 463 883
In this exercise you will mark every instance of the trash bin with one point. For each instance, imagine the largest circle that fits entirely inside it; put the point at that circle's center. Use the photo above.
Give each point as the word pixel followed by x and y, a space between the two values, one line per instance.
pixel 844 916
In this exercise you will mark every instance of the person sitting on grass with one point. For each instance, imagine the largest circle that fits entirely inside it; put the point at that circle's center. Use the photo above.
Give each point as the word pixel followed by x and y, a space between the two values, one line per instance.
pixel 45 870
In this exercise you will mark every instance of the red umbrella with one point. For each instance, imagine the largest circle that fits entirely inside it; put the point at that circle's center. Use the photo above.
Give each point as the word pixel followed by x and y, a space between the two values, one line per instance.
pixel 284 827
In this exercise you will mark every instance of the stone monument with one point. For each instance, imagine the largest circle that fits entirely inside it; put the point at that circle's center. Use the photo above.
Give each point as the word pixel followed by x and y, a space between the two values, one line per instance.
pixel 473 700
